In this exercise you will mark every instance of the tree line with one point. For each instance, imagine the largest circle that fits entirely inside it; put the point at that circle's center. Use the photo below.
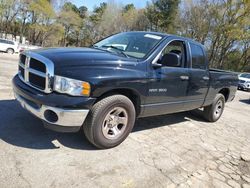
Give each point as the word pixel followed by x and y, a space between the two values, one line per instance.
pixel 222 26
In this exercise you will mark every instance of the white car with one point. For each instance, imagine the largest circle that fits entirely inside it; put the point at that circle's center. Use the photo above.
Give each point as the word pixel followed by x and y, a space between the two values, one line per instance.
pixel 244 81
pixel 8 46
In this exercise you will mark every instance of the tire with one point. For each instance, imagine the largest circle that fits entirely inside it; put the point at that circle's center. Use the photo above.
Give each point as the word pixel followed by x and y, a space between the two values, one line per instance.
pixel 102 126
pixel 213 112
pixel 10 51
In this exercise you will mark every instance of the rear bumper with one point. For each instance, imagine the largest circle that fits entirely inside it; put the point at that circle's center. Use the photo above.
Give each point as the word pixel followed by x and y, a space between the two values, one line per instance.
pixel 58 112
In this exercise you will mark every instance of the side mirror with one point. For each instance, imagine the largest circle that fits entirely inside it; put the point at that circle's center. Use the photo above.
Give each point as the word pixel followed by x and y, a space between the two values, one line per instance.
pixel 171 60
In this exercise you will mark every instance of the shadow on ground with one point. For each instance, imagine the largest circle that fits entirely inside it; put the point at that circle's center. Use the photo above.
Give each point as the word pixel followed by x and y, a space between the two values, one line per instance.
pixel 247 101
pixel 19 128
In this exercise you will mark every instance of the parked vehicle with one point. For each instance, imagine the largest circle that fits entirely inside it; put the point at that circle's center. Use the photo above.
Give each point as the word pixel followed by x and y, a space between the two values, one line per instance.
pixel 8 46
pixel 244 81
pixel 23 47
pixel 104 88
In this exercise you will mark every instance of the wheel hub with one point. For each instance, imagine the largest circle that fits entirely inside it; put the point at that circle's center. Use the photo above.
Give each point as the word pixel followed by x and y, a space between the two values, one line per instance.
pixel 115 123
pixel 218 109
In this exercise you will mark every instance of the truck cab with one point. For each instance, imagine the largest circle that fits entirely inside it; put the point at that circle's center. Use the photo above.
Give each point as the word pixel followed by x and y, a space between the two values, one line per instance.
pixel 189 74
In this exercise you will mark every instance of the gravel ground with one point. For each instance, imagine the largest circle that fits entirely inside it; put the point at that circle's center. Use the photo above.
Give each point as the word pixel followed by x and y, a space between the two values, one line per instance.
pixel 178 150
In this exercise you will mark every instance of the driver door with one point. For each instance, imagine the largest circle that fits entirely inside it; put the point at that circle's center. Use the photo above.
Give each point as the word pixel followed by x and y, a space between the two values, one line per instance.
pixel 168 85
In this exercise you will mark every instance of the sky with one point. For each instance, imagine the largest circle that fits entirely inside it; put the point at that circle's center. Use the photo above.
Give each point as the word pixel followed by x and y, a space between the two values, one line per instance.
pixel 91 3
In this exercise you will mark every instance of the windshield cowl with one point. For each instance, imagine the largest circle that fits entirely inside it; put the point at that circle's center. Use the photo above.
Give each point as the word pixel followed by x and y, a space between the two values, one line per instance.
pixel 112 49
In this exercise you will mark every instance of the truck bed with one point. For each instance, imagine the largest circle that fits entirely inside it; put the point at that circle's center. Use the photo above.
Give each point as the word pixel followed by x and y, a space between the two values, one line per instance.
pixel 221 71
pixel 222 79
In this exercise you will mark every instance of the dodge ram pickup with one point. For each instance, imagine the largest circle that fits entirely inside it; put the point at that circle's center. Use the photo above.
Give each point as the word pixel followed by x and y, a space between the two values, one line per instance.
pixel 101 90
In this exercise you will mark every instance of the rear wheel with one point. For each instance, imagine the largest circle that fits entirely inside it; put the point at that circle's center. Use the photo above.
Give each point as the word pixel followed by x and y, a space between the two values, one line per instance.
pixel 110 121
pixel 10 51
pixel 213 112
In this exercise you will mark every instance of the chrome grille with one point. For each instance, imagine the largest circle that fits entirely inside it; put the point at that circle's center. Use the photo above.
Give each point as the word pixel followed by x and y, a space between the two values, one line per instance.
pixel 36 71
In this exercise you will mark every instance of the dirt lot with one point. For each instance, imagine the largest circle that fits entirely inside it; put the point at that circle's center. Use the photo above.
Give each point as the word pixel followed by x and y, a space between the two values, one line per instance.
pixel 166 151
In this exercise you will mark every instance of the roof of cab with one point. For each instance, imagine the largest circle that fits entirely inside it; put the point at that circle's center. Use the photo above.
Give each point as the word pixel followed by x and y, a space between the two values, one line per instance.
pixel 166 35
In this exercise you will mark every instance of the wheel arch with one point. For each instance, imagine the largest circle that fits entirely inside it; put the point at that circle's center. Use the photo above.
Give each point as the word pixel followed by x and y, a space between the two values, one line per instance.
pixel 225 92
pixel 130 93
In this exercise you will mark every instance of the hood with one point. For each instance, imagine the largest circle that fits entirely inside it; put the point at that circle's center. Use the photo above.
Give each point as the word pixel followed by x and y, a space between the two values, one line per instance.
pixel 64 57
pixel 244 79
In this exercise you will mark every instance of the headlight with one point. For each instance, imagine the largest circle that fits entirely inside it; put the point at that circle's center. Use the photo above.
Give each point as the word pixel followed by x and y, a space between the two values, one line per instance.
pixel 71 86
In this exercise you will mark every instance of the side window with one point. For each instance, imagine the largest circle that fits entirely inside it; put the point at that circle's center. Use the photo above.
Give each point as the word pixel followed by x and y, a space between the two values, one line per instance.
pixel 176 47
pixel 198 57
pixel 3 41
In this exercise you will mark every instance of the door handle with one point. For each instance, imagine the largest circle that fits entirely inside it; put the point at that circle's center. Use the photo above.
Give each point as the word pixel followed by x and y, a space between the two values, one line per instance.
pixel 184 78
pixel 205 78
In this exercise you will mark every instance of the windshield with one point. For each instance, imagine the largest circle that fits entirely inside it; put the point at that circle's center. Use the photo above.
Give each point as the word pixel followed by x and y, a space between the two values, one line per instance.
pixel 245 75
pixel 136 45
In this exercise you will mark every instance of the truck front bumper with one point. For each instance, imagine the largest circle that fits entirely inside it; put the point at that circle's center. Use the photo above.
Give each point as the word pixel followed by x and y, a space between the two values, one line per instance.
pixel 244 86
pixel 58 119
pixel 58 112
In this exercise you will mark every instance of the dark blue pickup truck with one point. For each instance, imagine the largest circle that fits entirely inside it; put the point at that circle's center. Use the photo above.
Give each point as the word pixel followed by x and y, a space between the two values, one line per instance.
pixel 103 89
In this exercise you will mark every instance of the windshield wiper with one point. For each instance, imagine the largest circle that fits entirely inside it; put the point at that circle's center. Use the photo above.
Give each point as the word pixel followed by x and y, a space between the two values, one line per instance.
pixel 116 48
pixel 94 46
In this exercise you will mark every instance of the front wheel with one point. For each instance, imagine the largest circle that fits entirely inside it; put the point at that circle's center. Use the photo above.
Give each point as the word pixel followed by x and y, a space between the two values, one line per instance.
pixel 213 112
pixel 10 51
pixel 110 121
